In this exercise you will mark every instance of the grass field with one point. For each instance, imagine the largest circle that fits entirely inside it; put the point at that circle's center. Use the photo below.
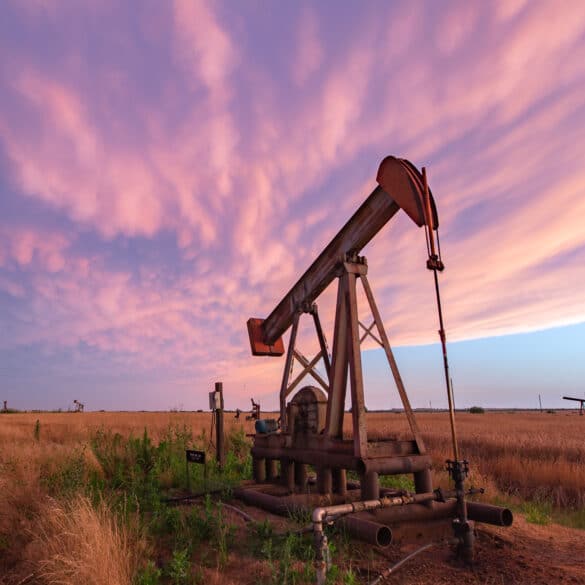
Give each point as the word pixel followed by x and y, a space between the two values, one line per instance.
pixel 81 494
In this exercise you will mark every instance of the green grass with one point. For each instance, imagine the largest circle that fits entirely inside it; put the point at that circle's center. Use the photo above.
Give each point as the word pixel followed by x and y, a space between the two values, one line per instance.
pixel 138 478
pixel 400 482
pixel 537 513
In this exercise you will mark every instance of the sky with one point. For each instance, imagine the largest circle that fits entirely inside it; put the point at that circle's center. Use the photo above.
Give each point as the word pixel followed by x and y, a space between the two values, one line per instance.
pixel 169 169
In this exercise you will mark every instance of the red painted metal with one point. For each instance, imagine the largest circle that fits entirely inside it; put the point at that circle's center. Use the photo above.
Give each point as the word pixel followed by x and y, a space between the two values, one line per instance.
pixel 259 347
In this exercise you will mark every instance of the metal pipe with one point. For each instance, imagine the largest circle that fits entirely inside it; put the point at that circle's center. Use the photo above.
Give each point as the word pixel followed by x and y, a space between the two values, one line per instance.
pixel 287 473
pixel 367 531
pixel 268 502
pixel 219 438
pixel 324 480
pixel 416 512
pixel 271 469
pixel 394 465
pixel 259 469
pixel 301 475
pixel 312 457
pixel 370 486
pixel 325 514
pixel 339 478
pixel 489 514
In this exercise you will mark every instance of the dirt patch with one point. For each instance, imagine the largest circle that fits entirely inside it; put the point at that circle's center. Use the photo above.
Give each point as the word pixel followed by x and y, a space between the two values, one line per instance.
pixel 524 554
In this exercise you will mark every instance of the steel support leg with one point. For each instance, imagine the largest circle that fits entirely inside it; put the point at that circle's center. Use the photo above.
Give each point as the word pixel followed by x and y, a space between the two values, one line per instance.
pixel 324 480
pixel 370 485
pixel 339 481
pixel 259 469
pixel 287 471
pixel 271 469
pixel 301 476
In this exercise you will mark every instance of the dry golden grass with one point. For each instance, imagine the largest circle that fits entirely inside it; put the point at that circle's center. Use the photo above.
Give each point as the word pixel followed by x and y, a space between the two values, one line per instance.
pixel 77 543
pixel 529 455
pixel 77 428
pixel 533 455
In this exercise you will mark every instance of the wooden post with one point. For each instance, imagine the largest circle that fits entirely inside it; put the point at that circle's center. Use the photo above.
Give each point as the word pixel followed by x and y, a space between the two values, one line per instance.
pixel 219 426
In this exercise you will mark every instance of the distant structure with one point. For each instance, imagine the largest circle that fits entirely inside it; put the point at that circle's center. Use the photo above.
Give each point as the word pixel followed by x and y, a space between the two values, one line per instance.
pixel 5 409
pixel 255 412
pixel 581 402
pixel 79 406
pixel 238 413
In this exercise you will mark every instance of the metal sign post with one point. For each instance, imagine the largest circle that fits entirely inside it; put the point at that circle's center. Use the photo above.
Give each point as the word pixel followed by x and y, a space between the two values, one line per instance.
pixel 192 456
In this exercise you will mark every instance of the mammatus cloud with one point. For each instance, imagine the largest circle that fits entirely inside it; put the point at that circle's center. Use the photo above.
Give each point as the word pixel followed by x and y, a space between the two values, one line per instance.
pixel 189 194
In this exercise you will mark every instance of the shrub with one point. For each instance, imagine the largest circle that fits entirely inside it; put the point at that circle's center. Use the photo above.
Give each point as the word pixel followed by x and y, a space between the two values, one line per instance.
pixel 477 410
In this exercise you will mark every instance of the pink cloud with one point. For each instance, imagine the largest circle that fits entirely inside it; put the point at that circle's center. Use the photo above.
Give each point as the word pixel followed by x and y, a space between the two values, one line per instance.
pixel 26 246
pixel 254 178
pixel 455 26
pixel 203 47
pixel 310 50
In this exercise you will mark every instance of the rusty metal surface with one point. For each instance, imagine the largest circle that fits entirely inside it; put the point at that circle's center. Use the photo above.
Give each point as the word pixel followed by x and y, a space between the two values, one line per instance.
pixel 339 367
pixel 394 465
pixel 257 342
pixel 383 465
pixel 405 183
pixel 322 445
pixel 368 531
pixel 404 188
pixel 358 406
pixel 368 220
pixel 412 513
pixel 393 366
pixel 489 514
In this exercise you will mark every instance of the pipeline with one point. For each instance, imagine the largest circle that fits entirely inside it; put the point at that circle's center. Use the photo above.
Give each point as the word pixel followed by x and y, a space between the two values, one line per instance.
pixel 374 529
pixel 489 514
pixel 363 529
pixel 391 570
pixel 268 502
pixel 328 514
pixel 367 531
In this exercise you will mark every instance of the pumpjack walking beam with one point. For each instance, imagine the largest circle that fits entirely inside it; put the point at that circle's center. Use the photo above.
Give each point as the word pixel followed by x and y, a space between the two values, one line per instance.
pixel 400 186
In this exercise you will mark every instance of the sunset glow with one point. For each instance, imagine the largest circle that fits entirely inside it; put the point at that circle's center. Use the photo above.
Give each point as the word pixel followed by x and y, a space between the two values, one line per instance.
pixel 169 169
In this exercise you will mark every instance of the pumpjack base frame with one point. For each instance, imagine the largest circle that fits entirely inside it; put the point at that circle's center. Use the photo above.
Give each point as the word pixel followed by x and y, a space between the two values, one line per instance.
pixel 332 458
pixel 408 524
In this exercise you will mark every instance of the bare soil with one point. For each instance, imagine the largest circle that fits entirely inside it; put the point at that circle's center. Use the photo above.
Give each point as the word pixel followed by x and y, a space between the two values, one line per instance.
pixel 524 554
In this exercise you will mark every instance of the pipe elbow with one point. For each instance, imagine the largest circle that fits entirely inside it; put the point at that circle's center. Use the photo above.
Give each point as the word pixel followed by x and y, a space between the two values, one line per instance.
pixel 319 515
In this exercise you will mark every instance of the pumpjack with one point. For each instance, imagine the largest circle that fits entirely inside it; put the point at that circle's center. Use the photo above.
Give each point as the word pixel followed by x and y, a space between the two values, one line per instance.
pixel 311 433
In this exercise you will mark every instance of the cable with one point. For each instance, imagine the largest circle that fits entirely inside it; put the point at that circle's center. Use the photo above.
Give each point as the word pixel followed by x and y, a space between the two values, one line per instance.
pixel 446 368
pixel 435 264
pixel 390 570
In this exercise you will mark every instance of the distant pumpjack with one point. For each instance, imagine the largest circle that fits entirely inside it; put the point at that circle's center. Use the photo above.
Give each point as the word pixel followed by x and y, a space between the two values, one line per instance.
pixel 238 412
pixel 581 402
pixel 79 406
pixel 255 412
